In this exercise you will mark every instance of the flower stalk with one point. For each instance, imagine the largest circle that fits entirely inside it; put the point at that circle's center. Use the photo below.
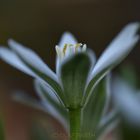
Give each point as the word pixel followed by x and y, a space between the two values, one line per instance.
pixel 75 116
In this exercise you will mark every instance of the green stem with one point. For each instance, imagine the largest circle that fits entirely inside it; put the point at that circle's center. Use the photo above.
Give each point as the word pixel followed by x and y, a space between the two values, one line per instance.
pixel 75 123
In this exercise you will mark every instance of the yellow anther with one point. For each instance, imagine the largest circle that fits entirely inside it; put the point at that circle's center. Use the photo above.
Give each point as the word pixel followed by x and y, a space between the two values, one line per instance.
pixel 77 46
pixel 65 48
pixel 69 49
pixel 70 45
pixel 84 48
pixel 58 51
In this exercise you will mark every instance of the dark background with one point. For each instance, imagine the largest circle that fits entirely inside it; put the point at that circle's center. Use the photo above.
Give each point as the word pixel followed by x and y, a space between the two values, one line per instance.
pixel 39 24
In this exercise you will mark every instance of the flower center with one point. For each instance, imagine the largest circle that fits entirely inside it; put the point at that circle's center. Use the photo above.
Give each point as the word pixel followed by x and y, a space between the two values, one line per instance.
pixel 69 49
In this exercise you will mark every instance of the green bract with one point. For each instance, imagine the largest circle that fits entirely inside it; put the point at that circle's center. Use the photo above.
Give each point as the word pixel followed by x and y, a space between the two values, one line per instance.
pixel 76 72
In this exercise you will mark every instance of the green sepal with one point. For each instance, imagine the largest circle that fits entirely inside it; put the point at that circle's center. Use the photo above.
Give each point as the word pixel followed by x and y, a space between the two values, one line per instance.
pixel 74 73
pixel 93 111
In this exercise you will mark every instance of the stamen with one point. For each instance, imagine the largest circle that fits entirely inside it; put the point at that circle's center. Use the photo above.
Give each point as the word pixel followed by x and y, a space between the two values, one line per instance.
pixel 77 46
pixel 69 49
pixel 64 49
pixel 58 51
pixel 84 48
pixel 70 45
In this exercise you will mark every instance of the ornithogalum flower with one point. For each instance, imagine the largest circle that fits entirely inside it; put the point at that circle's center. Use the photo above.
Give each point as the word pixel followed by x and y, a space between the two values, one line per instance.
pixel 77 74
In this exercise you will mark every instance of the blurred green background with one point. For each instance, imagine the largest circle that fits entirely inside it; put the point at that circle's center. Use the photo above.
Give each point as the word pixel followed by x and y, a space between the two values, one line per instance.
pixel 39 24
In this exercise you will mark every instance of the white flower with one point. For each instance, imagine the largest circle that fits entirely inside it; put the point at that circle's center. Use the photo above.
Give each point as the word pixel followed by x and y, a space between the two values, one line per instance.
pixel 76 72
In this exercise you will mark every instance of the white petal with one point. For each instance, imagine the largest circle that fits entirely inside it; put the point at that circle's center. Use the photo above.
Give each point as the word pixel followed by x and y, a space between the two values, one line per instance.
pixel 67 38
pixel 25 99
pixel 12 59
pixel 126 101
pixel 92 57
pixel 129 107
pixel 38 83
pixel 108 94
pixel 108 124
pixel 54 112
pixel 118 49
pixel 122 86
pixel 50 107
pixel 28 62
pixel 32 58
